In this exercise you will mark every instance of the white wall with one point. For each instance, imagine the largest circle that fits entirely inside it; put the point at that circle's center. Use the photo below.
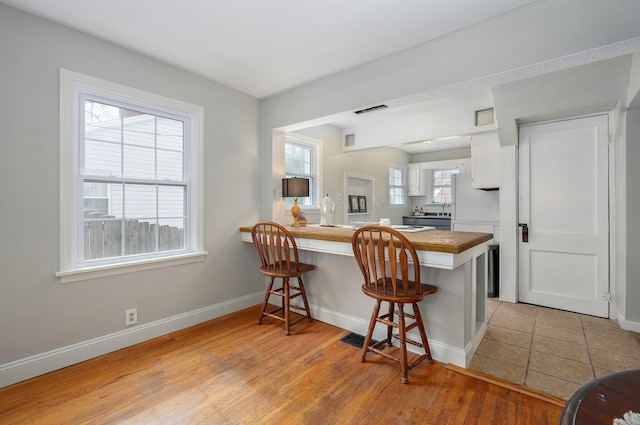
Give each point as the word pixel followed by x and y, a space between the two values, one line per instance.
pixel 38 314
pixel 631 311
pixel 335 162
pixel 530 42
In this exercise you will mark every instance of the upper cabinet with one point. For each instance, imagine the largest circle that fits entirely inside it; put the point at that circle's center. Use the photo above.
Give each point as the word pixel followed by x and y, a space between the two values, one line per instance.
pixel 485 161
pixel 416 182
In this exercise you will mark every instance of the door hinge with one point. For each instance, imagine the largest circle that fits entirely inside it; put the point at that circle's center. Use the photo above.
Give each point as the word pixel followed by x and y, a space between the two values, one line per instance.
pixel 607 297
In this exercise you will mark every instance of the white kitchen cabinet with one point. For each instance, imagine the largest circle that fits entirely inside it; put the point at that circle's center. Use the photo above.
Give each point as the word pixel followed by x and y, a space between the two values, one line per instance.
pixel 485 161
pixel 416 182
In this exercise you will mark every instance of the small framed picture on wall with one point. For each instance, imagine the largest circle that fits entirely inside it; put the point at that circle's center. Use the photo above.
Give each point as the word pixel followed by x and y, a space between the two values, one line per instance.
pixel 362 204
pixel 353 204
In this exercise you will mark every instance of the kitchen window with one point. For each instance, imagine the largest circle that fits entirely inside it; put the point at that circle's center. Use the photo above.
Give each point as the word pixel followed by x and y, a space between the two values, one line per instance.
pixel 441 185
pixel 301 160
pixel 131 184
pixel 397 185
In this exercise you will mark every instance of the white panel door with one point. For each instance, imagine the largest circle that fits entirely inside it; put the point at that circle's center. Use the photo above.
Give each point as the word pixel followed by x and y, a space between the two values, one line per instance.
pixel 563 206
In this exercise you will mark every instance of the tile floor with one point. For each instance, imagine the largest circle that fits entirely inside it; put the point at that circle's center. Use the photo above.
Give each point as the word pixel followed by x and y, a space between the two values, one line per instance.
pixel 552 350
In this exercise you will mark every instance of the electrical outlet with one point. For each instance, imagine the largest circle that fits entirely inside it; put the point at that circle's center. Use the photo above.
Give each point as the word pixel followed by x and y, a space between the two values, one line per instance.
pixel 131 317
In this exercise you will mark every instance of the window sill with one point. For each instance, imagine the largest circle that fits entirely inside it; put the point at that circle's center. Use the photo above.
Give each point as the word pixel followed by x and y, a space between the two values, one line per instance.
pixel 96 272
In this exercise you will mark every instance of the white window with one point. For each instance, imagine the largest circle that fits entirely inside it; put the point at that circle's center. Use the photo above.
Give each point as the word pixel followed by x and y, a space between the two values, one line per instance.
pixel 131 174
pixel 441 187
pixel 301 159
pixel 397 189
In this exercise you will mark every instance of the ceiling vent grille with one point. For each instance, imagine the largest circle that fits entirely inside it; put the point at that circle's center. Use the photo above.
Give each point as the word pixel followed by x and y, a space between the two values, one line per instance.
pixel 371 109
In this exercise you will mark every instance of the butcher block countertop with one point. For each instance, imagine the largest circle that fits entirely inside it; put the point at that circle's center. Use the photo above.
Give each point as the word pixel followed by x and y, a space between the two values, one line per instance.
pixel 432 240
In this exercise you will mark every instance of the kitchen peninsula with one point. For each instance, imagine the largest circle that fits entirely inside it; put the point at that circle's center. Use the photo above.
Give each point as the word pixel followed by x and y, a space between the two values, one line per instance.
pixel 455 262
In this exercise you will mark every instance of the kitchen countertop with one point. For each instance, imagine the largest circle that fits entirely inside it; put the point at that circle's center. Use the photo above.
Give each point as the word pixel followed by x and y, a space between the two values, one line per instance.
pixel 432 240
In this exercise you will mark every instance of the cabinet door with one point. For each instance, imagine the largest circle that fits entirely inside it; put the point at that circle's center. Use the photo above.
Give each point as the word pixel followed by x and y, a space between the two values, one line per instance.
pixel 415 181
pixel 485 158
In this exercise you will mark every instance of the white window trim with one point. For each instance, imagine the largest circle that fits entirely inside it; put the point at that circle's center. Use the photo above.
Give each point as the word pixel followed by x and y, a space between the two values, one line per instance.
pixel 404 185
pixel 71 84
pixel 317 144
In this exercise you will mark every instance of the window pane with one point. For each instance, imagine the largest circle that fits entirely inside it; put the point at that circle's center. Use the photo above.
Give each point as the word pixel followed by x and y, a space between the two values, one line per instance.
pixel 140 201
pixel 170 134
pixel 102 159
pixel 170 235
pixel 299 162
pixel 170 165
pixel 171 202
pixel 442 192
pixel 139 129
pixel 139 162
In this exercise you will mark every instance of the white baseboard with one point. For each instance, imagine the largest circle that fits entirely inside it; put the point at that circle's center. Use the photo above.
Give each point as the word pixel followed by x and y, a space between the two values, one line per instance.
pixel 628 326
pixel 29 367
pixel 441 352
pixel 39 364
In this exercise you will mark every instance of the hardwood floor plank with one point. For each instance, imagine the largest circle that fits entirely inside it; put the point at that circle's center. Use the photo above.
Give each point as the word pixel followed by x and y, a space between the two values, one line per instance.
pixel 233 371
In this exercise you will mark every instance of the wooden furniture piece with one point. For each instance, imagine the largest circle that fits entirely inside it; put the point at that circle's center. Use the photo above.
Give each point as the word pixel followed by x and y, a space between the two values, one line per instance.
pixel 604 399
pixel 279 260
pixel 384 257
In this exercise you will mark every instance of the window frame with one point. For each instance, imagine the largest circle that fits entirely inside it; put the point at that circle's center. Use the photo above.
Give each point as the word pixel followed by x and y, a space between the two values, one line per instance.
pixel 315 189
pixel 403 187
pixel 453 170
pixel 72 86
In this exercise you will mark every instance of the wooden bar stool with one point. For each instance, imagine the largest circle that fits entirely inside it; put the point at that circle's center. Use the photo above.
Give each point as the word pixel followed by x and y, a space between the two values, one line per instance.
pixel 384 256
pixel 275 246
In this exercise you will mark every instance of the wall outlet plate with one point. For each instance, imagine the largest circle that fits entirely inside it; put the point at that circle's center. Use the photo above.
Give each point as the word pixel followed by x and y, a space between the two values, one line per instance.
pixel 131 316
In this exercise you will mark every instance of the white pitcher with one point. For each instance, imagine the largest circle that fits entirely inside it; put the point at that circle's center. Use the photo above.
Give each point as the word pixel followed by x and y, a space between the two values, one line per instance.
pixel 326 211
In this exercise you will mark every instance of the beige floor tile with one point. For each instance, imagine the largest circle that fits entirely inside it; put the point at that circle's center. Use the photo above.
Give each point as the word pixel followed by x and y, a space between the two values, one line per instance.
pixel 624 345
pixel 551 385
pixel 505 353
pixel 552 350
pixel 498 369
pixel 556 347
pixel 491 307
pixel 598 321
pixel 562 334
pixel 521 324
pixel 509 336
pixel 518 310
pixel 610 361
pixel 558 367
pixel 559 318
pixel 600 372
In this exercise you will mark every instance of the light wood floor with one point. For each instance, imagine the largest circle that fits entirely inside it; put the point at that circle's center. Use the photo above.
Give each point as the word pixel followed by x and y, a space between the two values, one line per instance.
pixel 230 371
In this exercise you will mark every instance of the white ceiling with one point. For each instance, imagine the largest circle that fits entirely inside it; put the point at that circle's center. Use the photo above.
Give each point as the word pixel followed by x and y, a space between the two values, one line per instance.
pixel 265 47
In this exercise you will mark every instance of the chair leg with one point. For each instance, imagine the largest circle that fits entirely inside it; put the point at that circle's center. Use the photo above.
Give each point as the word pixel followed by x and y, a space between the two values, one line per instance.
pixel 372 325
pixel 286 300
pixel 266 301
pixel 423 332
pixel 304 298
pixel 403 343
pixel 392 311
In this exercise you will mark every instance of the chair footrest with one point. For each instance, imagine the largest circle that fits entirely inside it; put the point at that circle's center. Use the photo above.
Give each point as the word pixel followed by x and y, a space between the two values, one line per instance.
pixel 413 360
pixel 409 341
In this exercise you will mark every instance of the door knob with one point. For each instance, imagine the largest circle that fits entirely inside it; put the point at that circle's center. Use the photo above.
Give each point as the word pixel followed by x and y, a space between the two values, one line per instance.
pixel 525 232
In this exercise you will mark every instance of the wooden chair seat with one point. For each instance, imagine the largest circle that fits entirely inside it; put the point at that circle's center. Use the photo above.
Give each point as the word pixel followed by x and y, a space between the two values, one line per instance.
pixel 391 272
pixel 381 291
pixel 279 260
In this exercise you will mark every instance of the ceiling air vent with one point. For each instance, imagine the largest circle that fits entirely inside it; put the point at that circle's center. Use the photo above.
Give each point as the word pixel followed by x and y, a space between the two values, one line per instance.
pixel 371 109
pixel 349 140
